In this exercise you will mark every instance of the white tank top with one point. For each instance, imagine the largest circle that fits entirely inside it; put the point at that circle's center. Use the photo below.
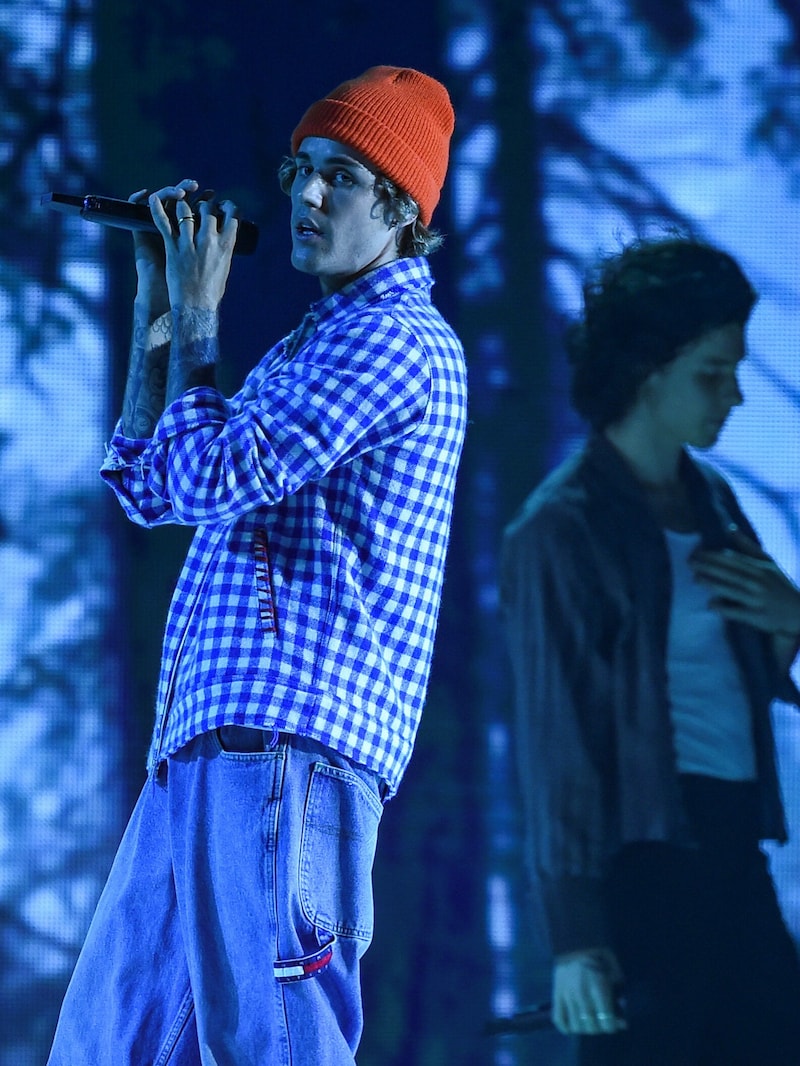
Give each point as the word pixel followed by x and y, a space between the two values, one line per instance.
pixel 710 712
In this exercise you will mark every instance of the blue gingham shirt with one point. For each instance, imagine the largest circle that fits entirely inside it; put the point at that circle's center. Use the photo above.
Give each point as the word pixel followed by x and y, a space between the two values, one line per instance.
pixel 322 494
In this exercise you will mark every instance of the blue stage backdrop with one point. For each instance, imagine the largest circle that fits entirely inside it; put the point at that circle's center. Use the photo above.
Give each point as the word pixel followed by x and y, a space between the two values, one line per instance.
pixel 580 124
pixel 62 799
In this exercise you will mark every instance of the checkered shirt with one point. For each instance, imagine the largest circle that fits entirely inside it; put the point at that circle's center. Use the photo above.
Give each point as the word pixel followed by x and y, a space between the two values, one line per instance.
pixel 322 495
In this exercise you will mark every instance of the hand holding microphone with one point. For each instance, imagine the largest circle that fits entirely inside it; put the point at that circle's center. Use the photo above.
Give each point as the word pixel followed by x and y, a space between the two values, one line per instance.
pixel 132 215
pixel 198 241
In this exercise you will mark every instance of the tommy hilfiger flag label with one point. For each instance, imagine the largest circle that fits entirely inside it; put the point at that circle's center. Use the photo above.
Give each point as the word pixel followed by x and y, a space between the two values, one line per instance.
pixel 299 969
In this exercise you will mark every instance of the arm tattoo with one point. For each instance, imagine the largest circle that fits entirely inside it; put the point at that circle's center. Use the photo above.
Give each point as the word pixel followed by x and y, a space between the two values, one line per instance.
pixel 194 350
pixel 174 353
pixel 146 386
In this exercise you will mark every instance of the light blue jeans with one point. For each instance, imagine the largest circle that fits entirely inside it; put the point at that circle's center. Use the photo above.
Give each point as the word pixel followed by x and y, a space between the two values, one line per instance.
pixel 235 914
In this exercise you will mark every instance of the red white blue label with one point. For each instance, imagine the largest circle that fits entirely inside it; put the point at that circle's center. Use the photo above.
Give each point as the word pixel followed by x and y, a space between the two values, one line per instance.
pixel 301 969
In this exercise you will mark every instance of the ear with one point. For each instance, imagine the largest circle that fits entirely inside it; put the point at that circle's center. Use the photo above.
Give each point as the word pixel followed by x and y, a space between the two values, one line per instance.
pixel 400 220
pixel 652 388
pixel 406 214
pixel 653 380
pixel 658 374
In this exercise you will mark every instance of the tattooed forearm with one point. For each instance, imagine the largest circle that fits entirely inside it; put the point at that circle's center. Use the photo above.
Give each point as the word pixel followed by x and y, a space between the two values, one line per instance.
pixel 194 350
pixel 145 389
pixel 175 353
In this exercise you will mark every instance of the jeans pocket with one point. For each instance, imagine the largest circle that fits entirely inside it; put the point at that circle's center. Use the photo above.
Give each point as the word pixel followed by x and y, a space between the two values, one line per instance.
pixel 340 832
pixel 245 740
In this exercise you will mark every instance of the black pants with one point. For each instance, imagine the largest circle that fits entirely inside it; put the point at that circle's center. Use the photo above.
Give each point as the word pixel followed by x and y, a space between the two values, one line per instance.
pixel 712 975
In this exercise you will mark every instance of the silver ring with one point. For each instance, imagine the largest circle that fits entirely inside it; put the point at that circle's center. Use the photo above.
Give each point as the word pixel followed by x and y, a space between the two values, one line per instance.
pixel 186 218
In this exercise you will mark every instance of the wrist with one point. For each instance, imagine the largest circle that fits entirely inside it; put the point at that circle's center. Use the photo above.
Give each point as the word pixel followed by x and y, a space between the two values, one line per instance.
pixel 148 307
pixel 194 350
pixel 787 646
pixel 791 629
pixel 597 953
pixel 195 329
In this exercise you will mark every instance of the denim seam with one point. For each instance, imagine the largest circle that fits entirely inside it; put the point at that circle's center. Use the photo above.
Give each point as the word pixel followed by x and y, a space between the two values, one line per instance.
pixel 171 1042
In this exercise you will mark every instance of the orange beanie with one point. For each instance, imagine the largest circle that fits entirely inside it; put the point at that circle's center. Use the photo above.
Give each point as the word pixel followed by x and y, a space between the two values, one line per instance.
pixel 398 119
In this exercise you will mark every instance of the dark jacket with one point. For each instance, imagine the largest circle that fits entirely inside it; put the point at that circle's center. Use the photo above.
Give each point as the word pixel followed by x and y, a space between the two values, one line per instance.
pixel 586 591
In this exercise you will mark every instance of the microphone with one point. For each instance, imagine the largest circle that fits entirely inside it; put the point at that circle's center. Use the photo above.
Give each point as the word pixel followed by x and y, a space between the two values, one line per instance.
pixel 527 1020
pixel 532 1019
pixel 122 214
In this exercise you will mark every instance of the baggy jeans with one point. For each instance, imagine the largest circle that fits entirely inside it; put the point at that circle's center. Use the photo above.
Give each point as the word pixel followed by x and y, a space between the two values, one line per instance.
pixel 231 927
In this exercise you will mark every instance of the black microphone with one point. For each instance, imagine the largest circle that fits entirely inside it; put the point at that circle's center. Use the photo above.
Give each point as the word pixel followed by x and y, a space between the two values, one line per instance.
pixel 122 214
pixel 533 1019
pixel 527 1020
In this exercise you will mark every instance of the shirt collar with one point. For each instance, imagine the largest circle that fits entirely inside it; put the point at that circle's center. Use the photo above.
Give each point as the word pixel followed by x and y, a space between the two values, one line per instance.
pixel 403 274
pixel 610 463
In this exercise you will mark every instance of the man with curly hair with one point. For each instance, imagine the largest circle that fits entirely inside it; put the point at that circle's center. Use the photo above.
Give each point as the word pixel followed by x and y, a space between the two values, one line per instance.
pixel 648 634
